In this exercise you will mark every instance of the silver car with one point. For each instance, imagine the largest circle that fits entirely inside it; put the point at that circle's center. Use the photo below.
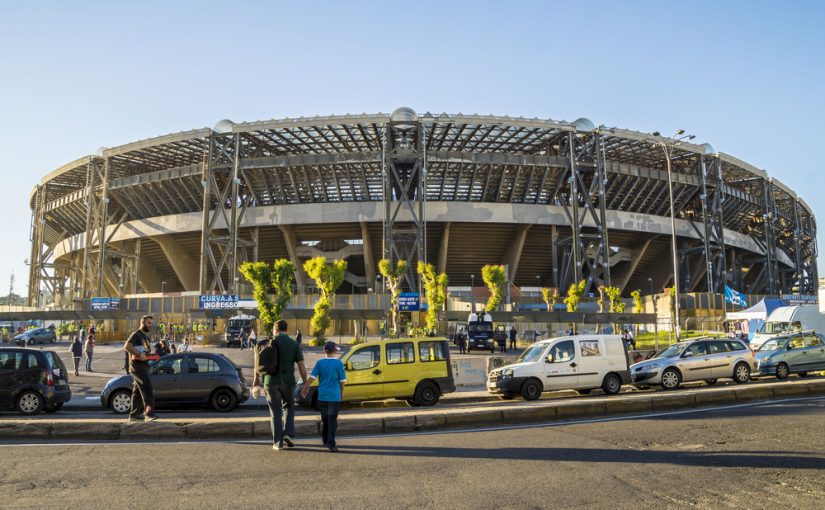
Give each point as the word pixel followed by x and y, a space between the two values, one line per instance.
pixel 702 359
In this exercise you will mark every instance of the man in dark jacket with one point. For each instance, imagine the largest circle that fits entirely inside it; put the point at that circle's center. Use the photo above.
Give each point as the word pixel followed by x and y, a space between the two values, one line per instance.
pixel 143 395
pixel 77 352
pixel 513 337
pixel 501 339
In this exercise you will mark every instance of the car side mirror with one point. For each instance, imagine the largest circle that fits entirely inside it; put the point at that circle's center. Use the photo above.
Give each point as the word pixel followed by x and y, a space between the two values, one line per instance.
pixel 790 347
pixel 548 359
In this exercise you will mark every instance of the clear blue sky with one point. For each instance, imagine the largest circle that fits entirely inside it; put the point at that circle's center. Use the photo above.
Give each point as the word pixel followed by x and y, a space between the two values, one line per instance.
pixel 746 77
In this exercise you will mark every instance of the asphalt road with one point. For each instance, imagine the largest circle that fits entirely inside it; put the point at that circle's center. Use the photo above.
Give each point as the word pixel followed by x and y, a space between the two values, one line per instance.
pixel 765 455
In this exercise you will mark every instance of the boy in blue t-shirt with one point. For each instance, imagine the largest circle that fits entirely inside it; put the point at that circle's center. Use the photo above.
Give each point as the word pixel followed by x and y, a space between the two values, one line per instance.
pixel 331 379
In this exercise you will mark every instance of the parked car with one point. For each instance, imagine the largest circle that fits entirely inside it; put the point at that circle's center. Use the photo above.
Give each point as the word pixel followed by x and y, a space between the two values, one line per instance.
pixel 415 370
pixel 32 380
pixel 36 336
pixel 699 359
pixel 184 379
pixel 791 354
pixel 582 362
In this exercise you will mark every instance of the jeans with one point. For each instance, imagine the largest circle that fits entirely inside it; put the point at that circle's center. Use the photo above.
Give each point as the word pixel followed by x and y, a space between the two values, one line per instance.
pixel 329 421
pixel 462 347
pixel 276 396
pixel 88 361
pixel 76 364
pixel 143 395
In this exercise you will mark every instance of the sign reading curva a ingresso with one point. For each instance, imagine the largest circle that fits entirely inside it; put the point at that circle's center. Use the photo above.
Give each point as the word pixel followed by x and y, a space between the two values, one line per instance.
pixel 218 302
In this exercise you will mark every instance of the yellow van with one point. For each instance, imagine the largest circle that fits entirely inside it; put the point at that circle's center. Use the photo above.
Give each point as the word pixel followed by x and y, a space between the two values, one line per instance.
pixel 417 370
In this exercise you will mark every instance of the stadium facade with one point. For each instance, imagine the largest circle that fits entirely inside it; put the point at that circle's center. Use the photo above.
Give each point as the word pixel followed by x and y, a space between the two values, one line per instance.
pixel 555 201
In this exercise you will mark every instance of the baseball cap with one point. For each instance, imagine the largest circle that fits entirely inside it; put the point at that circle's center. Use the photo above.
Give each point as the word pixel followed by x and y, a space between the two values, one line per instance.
pixel 330 346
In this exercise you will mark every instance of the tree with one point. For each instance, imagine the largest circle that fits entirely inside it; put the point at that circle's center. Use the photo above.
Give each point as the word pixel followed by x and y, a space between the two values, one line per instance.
pixel 495 278
pixel 638 306
pixel 435 288
pixel 550 297
pixel 614 295
pixel 328 277
pixel 574 294
pixel 392 275
pixel 266 280
pixel 600 301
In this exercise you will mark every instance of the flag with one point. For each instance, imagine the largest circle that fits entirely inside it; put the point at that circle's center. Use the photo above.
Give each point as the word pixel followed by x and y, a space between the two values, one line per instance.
pixel 735 298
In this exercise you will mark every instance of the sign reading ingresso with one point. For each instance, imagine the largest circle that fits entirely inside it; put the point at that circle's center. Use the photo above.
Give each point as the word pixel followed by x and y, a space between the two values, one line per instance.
pixel 218 302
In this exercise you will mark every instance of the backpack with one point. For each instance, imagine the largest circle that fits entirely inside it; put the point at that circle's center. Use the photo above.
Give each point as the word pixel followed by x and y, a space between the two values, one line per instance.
pixel 268 358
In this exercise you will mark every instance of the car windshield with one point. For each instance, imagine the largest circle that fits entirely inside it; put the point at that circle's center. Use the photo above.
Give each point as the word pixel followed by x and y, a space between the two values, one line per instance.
pixel 532 353
pixel 670 352
pixel 774 344
pixel 479 327
pixel 772 328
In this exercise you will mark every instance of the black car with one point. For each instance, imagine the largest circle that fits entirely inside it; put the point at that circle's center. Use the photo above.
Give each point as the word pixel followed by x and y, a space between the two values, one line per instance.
pixel 184 379
pixel 36 336
pixel 32 380
pixel 480 336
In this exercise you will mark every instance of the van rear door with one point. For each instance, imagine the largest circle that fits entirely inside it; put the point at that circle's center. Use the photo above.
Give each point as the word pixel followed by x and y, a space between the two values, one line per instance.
pixel 591 364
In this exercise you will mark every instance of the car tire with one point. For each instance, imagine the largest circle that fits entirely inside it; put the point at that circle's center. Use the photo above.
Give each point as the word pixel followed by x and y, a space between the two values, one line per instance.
pixel 782 371
pixel 741 373
pixel 531 389
pixel 612 384
pixel 671 379
pixel 223 400
pixel 427 394
pixel 121 401
pixel 584 392
pixel 413 403
pixel 53 408
pixel 710 382
pixel 29 402
pixel 802 374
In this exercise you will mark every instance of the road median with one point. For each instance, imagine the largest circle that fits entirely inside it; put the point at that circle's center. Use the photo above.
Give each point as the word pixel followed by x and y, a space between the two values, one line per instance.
pixel 408 420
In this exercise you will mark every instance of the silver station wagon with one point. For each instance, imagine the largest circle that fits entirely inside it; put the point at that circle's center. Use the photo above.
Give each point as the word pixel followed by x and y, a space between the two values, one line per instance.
pixel 701 359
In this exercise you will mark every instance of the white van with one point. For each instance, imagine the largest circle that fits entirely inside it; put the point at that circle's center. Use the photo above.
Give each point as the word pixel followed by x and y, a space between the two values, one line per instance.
pixel 579 362
pixel 789 319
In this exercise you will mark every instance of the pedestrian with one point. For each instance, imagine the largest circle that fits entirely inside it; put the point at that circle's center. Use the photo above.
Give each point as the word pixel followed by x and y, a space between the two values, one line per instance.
pixel 89 347
pixel 185 347
pixel 143 397
pixel 77 352
pixel 627 336
pixel 253 339
pixel 82 334
pixel 462 341
pixel 280 386
pixel 513 337
pixel 500 338
pixel 331 379
pixel 299 337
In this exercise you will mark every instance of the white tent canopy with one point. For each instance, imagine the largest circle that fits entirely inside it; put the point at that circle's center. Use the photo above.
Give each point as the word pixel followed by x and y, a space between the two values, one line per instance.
pixel 759 311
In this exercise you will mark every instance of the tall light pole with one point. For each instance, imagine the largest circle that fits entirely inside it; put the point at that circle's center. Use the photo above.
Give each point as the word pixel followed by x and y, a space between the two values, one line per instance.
pixel 667 149
pixel 162 299
pixel 472 294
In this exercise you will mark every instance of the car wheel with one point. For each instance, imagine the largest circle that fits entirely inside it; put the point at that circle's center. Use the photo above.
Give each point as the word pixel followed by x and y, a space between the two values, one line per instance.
pixel 29 402
pixel 531 389
pixel 427 394
pixel 671 379
pixel 803 374
pixel 412 403
pixel 782 371
pixel 223 400
pixel 121 401
pixel 741 373
pixel 54 407
pixel 612 384
pixel 583 392
pixel 710 382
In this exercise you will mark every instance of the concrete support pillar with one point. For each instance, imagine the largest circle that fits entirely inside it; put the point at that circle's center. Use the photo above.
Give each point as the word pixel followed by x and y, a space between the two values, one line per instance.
pixel 513 255
pixel 443 248
pixel 149 277
pixel 634 263
pixel 185 266
pixel 291 241
pixel 370 267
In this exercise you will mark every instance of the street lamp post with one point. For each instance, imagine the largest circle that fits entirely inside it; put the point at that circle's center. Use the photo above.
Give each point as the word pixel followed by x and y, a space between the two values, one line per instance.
pixel 472 294
pixel 162 298
pixel 655 312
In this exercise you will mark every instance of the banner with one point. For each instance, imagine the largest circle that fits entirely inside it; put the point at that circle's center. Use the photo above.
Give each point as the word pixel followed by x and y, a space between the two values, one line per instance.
pixel 735 298
pixel 218 302
pixel 799 299
pixel 409 302
pixel 101 304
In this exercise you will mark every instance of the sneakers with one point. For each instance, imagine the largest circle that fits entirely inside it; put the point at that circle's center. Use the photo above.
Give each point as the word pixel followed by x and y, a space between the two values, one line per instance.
pixel 277 447
pixel 150 417
pixel 288 442
pixel 333 448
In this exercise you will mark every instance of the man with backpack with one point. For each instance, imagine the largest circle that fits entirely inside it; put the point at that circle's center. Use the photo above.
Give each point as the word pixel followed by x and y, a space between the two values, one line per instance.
pixel 276 362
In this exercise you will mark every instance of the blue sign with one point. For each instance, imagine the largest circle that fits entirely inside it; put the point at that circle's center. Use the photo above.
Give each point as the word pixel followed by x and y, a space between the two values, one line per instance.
pixel 100 304
pixel 735 298
pixel 218 302
pixel 799 299
pixel 409 302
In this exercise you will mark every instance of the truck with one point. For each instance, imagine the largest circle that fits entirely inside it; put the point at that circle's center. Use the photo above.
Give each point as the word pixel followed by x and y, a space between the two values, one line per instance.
pixel 480 332
pixel 789 319
pixel 235 326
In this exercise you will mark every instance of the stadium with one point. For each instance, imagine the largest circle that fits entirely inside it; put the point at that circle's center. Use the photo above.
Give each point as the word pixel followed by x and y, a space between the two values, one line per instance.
pixel 555 201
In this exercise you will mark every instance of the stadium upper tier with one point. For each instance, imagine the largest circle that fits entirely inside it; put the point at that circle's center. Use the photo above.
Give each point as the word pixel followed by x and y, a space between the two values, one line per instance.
pixel 574 200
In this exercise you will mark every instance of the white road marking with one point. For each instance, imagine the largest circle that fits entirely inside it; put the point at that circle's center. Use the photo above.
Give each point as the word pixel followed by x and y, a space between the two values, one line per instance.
pixel 313 442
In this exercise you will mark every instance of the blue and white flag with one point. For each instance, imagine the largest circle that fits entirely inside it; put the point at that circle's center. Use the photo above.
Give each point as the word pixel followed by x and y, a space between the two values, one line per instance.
pixel 735 298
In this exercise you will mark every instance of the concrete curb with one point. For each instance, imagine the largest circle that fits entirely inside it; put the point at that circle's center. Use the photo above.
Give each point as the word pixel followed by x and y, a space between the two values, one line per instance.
pixel 419 419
